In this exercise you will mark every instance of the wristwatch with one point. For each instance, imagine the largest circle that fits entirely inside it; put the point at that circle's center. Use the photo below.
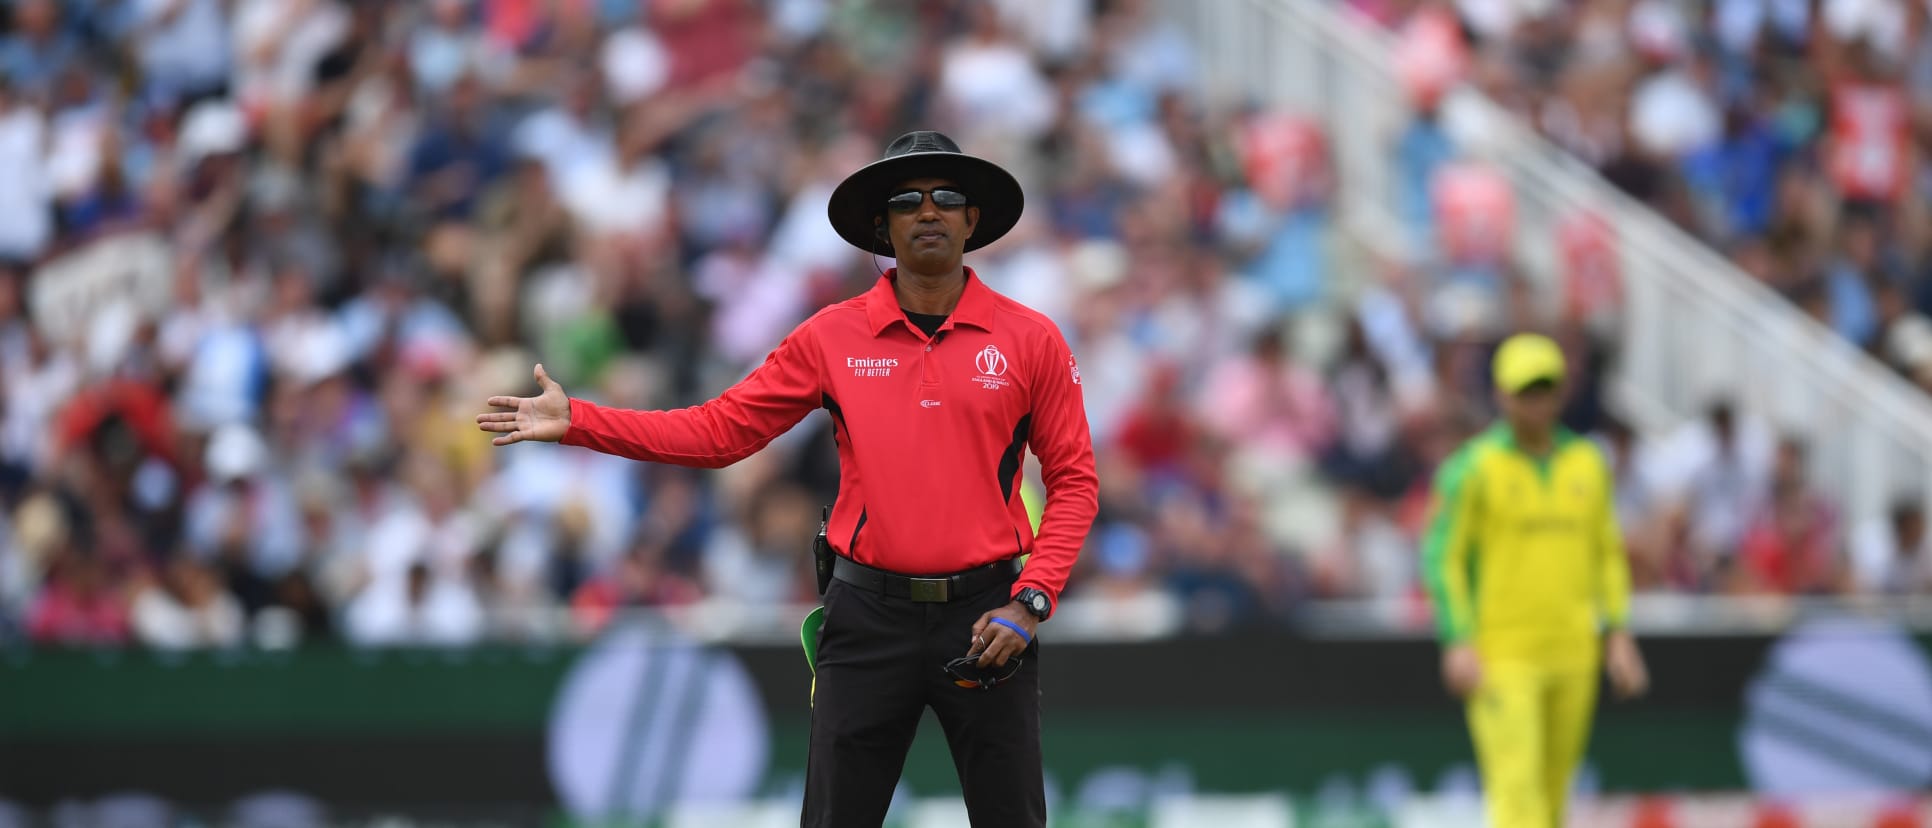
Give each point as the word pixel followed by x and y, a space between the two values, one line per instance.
pixel 1035 602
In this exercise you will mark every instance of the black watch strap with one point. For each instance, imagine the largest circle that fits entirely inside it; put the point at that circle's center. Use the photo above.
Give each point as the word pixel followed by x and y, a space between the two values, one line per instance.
pixel 1036 602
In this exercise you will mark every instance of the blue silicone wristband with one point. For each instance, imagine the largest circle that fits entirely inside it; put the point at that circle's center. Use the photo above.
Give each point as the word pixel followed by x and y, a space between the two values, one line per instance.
pixel 1014 627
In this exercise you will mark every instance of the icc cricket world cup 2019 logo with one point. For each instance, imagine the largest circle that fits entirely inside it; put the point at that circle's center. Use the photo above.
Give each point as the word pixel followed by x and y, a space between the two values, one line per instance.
pixel 1842 704
pixel 992 368
pixel 648 721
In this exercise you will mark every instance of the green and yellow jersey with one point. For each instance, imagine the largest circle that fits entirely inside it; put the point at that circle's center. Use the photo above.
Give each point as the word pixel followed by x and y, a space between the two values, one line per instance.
pixel 1523 557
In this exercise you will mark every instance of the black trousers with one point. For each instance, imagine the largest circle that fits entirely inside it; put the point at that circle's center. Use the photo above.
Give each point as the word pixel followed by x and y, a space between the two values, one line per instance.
pixel 880 664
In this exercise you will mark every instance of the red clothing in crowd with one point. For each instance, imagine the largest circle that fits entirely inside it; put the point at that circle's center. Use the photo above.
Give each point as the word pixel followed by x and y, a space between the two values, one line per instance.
pixel 69 615
pixel 1789 548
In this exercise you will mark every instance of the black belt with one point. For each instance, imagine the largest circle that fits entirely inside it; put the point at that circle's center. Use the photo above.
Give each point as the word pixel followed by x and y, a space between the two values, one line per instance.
pixel 937 589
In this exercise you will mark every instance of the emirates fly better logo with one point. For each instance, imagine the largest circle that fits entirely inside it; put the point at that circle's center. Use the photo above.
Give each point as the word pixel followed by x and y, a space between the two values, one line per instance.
pixel 871 366
pixel 992 368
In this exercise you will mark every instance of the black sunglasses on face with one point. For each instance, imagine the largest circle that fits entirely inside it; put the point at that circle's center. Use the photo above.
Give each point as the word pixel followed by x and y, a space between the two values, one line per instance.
pixel 944 198
pixel 1538 388
pixel 967 673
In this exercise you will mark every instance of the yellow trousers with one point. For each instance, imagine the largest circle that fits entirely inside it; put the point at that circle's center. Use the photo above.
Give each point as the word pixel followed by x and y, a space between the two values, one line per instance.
pixel 1530 722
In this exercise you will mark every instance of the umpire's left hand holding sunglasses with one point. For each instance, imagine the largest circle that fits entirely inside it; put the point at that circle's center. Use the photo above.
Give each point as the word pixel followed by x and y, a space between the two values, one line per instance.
pixel 999 637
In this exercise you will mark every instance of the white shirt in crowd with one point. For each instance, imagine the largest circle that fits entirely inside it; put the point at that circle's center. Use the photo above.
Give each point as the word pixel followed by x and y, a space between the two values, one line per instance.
pixel 35 391
pixel 995 86
pixel 1057 29
pixel 443 608
pixel 408 536
pixel 380 114
pixel 1672 115
pixel 802 236
pixel 1881 565
pixel 561 140
pixel 278 44
pixel 533 485
pixel 264 505
pixel 1740 24
pixel 25 201
pixel 1114 374
pixel 1723 484
pixel 1034 272
pixel 163 621
pixel 736 570
pixel 1884 24
pixel 633 64
pixel 756 298
pixel 447 613
pixel 1152 53
pixel 188 48
pixel 439 56
pixel 223 377
pixel 606 198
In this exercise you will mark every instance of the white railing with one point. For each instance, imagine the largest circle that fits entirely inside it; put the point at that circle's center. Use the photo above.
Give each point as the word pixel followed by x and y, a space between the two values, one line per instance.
pixel 1695 327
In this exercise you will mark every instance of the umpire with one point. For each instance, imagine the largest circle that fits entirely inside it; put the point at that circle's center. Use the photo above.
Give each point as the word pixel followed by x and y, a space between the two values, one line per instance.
pixel 936 386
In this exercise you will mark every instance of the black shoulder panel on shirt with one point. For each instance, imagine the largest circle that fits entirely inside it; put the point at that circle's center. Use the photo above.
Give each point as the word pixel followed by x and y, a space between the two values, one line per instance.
pixel 1010 459
pixel 839 425
pixel 852 546
pixel 838 419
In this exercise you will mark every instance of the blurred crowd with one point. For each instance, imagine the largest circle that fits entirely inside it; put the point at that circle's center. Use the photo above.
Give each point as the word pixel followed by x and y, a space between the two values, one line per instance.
pixel 264 259
pixel 1791 135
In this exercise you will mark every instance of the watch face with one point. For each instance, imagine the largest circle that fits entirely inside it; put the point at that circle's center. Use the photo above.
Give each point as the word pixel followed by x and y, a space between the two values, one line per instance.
pixel 1039 603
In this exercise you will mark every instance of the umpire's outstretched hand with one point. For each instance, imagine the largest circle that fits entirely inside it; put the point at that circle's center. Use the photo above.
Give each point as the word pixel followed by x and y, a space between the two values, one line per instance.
pixel 995 643
pixel 544 417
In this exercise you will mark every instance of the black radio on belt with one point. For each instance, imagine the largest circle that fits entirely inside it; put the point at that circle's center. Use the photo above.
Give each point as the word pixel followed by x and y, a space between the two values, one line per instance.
pixel 822 551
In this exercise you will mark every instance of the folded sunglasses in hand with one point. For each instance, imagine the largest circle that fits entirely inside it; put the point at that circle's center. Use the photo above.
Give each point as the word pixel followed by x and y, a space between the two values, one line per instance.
pixel 967 673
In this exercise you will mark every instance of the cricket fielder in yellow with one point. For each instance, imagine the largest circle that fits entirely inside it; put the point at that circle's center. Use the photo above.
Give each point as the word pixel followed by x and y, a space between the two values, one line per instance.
pixel 1531 589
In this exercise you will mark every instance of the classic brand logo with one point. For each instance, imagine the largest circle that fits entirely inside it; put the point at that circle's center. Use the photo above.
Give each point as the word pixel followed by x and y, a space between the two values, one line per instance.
pixel 928 403
pixel 992 368
pixel 871 366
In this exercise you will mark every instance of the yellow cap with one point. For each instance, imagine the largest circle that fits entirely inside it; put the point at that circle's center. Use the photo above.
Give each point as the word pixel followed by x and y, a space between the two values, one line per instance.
pixel 1525 359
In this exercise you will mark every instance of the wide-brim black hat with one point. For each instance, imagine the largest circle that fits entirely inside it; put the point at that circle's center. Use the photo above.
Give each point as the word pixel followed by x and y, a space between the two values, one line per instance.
pixel 861 197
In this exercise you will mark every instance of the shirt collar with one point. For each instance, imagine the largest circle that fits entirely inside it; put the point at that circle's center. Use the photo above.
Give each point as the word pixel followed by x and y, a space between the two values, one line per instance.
pixel 1507 437
pixel 975 306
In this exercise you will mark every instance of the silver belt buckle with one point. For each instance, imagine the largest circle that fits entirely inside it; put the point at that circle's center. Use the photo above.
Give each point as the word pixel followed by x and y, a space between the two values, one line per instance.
pixel 930 590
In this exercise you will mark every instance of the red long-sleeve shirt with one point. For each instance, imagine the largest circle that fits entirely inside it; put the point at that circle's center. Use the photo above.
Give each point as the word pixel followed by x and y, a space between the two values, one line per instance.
pixel 930 431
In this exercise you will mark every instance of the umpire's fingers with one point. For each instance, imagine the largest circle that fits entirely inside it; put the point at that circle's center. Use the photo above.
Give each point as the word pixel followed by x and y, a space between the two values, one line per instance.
pixel 1002 644
pixel 980 636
